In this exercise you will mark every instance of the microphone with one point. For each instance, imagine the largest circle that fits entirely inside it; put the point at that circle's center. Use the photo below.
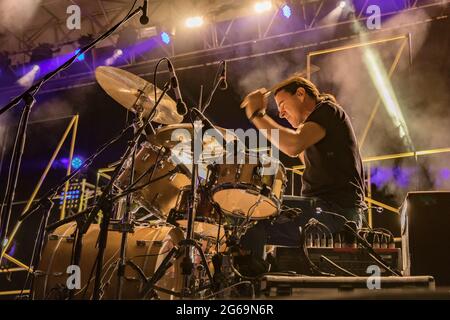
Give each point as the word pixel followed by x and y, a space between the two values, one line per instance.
pixel 181 106
pixel 144 18
pixel 223 77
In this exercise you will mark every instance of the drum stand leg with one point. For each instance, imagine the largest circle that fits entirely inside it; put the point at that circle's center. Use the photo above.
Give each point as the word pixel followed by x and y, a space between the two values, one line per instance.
pixel 183 246
pixel 126 220
pixel 186 246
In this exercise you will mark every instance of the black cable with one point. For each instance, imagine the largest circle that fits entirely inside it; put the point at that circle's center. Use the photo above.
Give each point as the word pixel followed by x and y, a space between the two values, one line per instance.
pixel 155 74
pixel 312 266
pixel 128 191
pixel 215 82
pixel 151 168
pixel 138 269
pixel 334 264
pixel 365 244
pixel 134 3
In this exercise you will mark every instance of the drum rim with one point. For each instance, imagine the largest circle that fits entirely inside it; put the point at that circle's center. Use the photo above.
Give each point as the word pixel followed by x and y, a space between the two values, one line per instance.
pixel 245 186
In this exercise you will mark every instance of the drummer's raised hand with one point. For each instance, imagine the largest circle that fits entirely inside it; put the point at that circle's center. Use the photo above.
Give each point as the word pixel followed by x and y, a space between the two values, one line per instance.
pixel 255 101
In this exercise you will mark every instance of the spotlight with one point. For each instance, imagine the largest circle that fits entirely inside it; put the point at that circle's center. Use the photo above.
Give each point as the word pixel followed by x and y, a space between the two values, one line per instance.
pixel 194 22
pixel 263 6
pixel 117 53
pixel 342 4
pixel 81 56
pixel 286 10
pixel 76 162
pixel 165 37
pixel 28 79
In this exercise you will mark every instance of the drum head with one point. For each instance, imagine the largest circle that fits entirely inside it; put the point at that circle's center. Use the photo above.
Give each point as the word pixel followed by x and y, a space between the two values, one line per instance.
pixel 245 203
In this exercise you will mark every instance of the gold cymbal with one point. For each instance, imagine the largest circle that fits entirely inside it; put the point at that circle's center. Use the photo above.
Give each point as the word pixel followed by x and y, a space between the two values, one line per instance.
pixel 136 94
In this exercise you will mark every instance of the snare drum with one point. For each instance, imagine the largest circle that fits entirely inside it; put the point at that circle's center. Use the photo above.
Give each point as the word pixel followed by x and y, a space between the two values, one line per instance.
pixel 252 187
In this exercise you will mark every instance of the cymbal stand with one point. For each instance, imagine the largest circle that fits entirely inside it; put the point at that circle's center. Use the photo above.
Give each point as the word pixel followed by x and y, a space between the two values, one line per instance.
pixel 105 204
pixel 126 224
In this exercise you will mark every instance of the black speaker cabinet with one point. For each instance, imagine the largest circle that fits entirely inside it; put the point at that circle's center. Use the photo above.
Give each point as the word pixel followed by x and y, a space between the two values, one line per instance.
pixel 425 228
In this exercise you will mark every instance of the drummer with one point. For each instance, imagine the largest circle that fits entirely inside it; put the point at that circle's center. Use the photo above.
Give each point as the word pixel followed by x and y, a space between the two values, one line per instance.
pixel 322 137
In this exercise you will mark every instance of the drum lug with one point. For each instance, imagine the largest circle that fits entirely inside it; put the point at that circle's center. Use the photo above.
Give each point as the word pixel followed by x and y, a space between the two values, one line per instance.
pixel 212 174
pixel 237 176
pixel 256 174
pixel 144 243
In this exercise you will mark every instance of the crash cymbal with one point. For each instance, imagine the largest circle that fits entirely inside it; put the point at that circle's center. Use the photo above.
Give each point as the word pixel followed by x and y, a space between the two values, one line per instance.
pixel 172 135
pixel 136 94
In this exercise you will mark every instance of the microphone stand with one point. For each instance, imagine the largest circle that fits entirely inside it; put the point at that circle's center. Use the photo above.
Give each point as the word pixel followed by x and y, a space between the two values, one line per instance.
pixel 28 97
pixel 216 86
pixel 15 168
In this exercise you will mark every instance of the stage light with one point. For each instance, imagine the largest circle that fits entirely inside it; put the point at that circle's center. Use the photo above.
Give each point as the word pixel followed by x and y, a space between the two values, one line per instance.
pixel 342 4
pixel 28 79
pixel 165 37
pixel 286 10
pixel 77 162
pixel 81 56
pixel 384 88
pixel 194 22
pixel 117 53
pixel 263 6
pixel 42 52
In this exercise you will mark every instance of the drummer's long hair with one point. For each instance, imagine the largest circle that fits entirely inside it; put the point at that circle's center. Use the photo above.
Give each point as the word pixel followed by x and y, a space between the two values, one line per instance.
pixel 293 83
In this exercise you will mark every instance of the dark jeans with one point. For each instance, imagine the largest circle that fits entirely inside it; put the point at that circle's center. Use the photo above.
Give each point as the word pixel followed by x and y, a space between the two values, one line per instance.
pixel 287 233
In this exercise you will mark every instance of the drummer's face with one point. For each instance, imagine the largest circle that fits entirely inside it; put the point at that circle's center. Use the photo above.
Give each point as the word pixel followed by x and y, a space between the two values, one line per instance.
pixel 291 106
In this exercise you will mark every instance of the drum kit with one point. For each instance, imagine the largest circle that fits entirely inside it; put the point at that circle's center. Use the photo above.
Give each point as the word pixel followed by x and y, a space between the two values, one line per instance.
pixel 195 218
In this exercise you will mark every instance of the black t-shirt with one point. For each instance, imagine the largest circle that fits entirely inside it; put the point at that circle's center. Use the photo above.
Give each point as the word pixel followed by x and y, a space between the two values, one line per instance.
pixel 334 170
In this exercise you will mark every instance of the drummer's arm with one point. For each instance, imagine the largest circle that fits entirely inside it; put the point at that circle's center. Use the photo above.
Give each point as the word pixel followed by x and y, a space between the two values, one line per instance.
pixel 290 142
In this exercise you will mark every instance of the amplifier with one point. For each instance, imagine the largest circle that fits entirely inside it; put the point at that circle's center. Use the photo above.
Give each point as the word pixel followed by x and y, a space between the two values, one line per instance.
pixel 354 260
pixel 425 222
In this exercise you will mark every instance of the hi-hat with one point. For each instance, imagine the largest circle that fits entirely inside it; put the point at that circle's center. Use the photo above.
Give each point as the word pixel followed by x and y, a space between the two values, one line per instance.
pixel 137 94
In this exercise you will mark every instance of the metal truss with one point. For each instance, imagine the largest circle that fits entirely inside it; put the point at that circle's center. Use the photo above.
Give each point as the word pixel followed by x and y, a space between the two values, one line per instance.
pixel 221 16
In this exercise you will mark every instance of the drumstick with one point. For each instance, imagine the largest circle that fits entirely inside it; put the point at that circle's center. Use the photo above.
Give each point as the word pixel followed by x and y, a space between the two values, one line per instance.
pixel 265 95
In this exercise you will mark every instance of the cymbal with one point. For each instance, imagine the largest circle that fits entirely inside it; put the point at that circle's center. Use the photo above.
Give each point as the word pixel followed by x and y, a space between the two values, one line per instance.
pixel 136 94
pixel 175 134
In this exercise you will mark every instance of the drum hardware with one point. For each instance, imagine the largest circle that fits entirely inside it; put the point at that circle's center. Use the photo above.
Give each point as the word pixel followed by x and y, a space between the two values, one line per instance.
pixel 187 246
pixel 105 204
pixel 256 193
pixel 28 97
pixel 125 225
pixel 121 226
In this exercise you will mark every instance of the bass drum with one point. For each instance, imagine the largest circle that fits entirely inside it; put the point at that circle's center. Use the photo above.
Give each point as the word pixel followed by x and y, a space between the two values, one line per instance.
pixel 146 248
